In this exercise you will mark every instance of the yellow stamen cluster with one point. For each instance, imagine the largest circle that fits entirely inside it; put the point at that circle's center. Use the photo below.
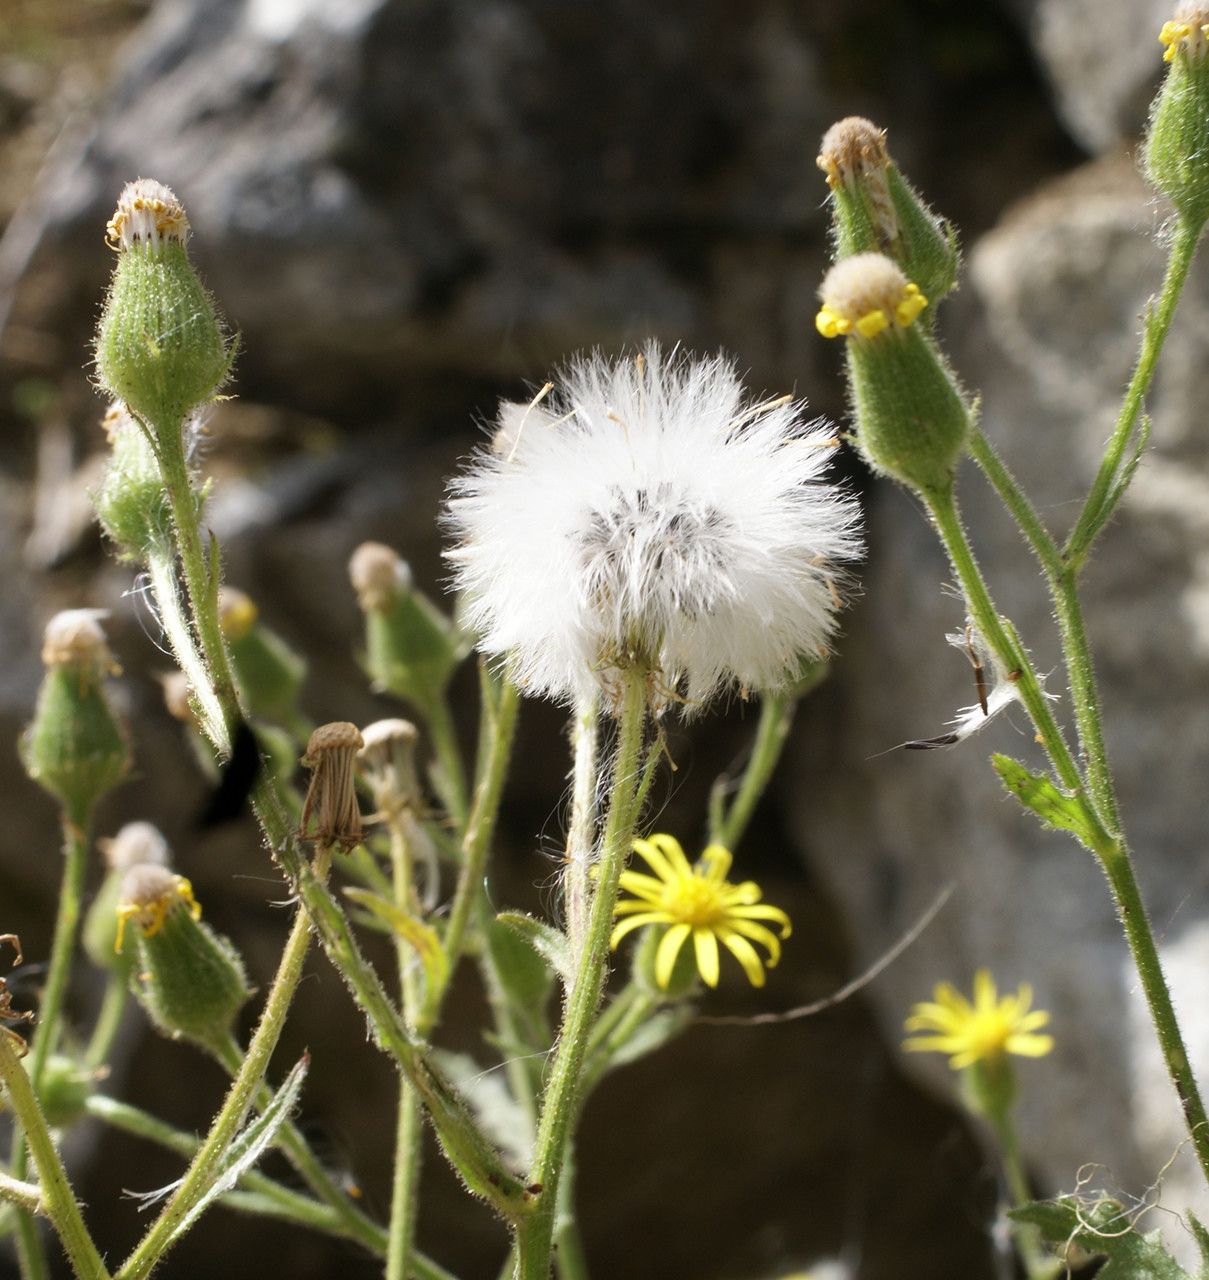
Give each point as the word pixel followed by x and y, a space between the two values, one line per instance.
pixel 237 612
pixel 864 295
pixel 698 902
pixel 1188 30
pixel 147 212
pixel 983 1031
pixel 149 893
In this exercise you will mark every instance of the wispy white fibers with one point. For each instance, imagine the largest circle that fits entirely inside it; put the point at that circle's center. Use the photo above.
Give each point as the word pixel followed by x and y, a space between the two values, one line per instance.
pixel 646 514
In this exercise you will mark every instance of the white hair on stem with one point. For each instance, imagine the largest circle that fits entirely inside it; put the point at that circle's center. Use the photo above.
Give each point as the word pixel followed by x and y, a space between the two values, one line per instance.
pixel 645 514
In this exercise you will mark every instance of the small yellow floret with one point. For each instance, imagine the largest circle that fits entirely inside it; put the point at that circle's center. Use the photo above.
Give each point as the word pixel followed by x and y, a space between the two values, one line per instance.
pixel 1176 32
pixel 698 902
pixel 909 308
pixel 865 295
pixel 829 324
pixel 872 323
pixel 984 1030
pixel 152 915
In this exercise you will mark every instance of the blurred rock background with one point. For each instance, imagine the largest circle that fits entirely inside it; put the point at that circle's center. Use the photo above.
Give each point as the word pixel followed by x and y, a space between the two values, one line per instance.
pixel 412 208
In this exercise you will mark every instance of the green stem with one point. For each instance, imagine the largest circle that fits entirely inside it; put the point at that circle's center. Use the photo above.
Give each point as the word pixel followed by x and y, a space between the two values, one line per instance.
pixel 50 1013
pixel 943 507
pixel 239 1100
pixel 475 846
pixel 450 771
pixel 26 1195
pixel 1017 502
pixel 109 1021
pixel 535 1234
pixel 161 569
pixel 581 832
pixel 776 718
pixel 271 1197
pixel 58 1198
pixel 297 1150
pixel 1091 518
pixel 409 1133
pixel 1038 1263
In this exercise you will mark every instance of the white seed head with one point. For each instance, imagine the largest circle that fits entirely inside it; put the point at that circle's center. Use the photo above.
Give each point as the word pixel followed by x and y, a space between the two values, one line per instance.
pixel 378 574
pixel 648 516
pixel 135 843
pixel 148 213
pixel 74 638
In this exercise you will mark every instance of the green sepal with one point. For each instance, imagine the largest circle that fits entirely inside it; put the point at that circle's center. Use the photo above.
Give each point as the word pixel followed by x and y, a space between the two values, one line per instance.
pixel 549 943
pixel 64 1090
pixel 412 649
pixel 912 420
pixel 1176 159
pixel 160 346
pixel 75 746
pixel 99 933
pixel 269 673
pixel 1102 1227
pixel 190 980
pixel 422 938
pixel 1056 809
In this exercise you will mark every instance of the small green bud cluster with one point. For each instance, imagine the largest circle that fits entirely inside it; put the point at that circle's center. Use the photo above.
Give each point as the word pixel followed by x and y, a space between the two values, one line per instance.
pixel 1177 142
pixel 135 844
pixel 876 210
pixel 132 505
pixel 64 1089
pixel 912 421
pixel 411 648
pixel 190 980
pixel 269 672
pixel 160 346
pixel 75 746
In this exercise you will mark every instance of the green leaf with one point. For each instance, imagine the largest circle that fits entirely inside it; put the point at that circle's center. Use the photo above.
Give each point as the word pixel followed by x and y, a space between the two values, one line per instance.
pixel 248 1146
pixel 1058 810
pixel 1103 1227
pixel 549 943
pixel 422 938
pixel 525 977
pixel 502 1119
pixel 1201 1236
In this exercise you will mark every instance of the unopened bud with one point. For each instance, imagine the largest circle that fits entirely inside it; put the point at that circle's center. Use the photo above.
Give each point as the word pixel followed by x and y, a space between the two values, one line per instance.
pixel 132 504
pixel 75 745
pixel 160 346
pixel 1177 150
pixel 64 1089
pixel 411 648
pixel 388 764
pixel 136 843
pixel 912 421
pixel 269 672
pixel 331 814
pixel 875 209
pixel 190 980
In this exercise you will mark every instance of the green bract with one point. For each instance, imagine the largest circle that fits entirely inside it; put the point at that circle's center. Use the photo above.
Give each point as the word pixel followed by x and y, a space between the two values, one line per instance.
pixel 1177 152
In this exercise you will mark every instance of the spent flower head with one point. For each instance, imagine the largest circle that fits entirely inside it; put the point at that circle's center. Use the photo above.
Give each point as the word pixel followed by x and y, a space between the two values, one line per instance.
pixel 330 812
pixel 698 902
pixel 984 1030
pixel 646 516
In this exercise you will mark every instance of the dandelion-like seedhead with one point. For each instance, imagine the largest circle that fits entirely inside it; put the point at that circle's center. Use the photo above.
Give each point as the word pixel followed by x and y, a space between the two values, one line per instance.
pixel 646 516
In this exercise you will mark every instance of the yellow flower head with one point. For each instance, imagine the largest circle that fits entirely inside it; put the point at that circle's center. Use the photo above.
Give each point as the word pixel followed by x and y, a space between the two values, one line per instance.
pixel 982 1031
pixel 1188 30
pixel 149 892
pixel 698 901
pixel 865 294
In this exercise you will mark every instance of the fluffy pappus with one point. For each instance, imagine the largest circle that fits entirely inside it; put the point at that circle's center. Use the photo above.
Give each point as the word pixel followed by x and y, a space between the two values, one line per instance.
pixel 647 515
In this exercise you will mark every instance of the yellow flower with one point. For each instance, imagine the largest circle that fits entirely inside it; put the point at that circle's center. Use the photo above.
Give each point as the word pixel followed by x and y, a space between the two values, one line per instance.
pixel 982 1031
pixel 698 902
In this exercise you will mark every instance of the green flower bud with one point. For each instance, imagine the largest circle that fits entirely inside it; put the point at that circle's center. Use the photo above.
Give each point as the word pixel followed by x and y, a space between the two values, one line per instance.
pixel 135 843
pixel 132 504
pixel 911 419
pixel 190 981
pixel 75 745
pixel 1177 144
pixel 411 648
pixel 269 672
pixel 875 209
pixel 160 346
pixel 64 1090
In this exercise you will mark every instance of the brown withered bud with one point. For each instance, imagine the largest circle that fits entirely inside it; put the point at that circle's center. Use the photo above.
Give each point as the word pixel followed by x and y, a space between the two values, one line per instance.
pixel 330 812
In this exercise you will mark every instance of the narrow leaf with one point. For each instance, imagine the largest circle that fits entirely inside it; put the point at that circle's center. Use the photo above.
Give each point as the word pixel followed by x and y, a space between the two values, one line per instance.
pixel 1058 810
pixel 421 937
pixel 249 1145
pixel 486 1092
pixel 549 943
